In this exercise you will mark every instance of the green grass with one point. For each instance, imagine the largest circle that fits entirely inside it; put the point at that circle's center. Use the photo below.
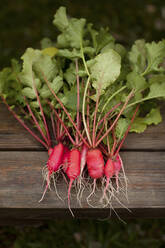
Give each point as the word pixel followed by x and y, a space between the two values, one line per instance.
pixel 86 234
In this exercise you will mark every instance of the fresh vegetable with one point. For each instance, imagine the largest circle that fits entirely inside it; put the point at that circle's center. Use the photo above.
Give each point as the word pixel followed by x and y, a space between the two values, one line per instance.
pixel 109 171
pixel 95 163
pixel 53 164
pixel 83 93
pixel 73 169
pixel 65 158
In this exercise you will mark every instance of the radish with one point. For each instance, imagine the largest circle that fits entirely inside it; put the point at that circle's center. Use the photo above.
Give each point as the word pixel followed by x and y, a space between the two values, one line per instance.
pixel 95 163
pixel 65 158
pixel 53 164
pixel 73 170
pixel 109 171
pixel 55 158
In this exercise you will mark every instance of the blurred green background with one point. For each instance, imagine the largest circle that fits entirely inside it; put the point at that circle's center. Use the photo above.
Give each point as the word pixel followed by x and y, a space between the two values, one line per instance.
pixel 23 24
pixel 86 234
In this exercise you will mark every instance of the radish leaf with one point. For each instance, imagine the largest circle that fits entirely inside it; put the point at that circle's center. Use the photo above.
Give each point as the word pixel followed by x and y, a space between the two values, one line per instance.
pixel 105 70
pixel 155 56
pixel 136 81
pixel 140 123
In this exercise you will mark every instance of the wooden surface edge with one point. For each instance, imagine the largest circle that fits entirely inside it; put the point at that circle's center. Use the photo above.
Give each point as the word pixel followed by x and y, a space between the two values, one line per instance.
pixel 14 137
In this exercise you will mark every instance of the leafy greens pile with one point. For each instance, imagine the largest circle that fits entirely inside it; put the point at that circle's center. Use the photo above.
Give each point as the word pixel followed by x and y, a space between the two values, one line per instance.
pixel 114 83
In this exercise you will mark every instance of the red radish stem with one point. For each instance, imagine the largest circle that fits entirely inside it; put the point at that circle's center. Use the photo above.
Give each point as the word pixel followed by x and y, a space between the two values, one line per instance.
pixel 53 125
pixel 108 113
pixel 36 122
pixel 58 127
pixel 84 97
pixel 114 140
pixel 118 116
pixel 26 114
pixel 73 170
pixel 62 123
pixel 104 118
pixel 88 111
pixel 94 119
pixel 24 125
pixel 53 164
pixel 100 131
pixel 42 113
pixel 61 104
pixel 126 133
pixel 108 144
pixel 102 148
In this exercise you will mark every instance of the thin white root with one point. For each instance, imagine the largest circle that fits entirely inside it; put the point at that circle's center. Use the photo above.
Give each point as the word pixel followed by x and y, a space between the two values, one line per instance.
pixel 46 188
pixel 92 193
pixel 55 187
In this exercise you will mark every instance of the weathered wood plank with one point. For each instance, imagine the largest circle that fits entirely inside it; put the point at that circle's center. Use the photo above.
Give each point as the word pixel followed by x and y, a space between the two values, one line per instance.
pixel 14 136
pixel 21 180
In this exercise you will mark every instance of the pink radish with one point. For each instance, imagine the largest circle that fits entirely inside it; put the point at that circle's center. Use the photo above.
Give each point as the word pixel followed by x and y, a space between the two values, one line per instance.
pixel 109 171
pixel 95 163
pixel 65 158
pixel 73 170
pixel 53 164
pixel 55 158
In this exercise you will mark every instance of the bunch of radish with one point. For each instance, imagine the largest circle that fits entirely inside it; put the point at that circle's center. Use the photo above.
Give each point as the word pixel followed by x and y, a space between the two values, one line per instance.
pixel 80 98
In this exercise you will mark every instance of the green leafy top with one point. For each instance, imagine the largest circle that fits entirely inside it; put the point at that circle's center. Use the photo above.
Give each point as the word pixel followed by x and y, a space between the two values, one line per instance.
pixel 105 65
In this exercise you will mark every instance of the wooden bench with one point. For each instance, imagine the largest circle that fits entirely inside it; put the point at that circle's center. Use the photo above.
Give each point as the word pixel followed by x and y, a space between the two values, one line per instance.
pixel 22 159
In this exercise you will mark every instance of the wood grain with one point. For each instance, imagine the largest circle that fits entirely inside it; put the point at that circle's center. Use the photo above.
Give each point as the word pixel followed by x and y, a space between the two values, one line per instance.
pixel 22 159
pixel 14 137
pixel 21 188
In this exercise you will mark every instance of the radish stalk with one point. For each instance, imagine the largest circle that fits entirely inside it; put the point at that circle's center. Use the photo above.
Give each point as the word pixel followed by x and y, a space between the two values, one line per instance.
pixel 73 171
pixel 126 133
pixel 24 125
pixel 36 122
pixel 94 119
pixel 78 101
pixel 118 116
pixel 62 123
pixel 53 125
pixel 61 104
pixel 42 113
pixel 83 112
